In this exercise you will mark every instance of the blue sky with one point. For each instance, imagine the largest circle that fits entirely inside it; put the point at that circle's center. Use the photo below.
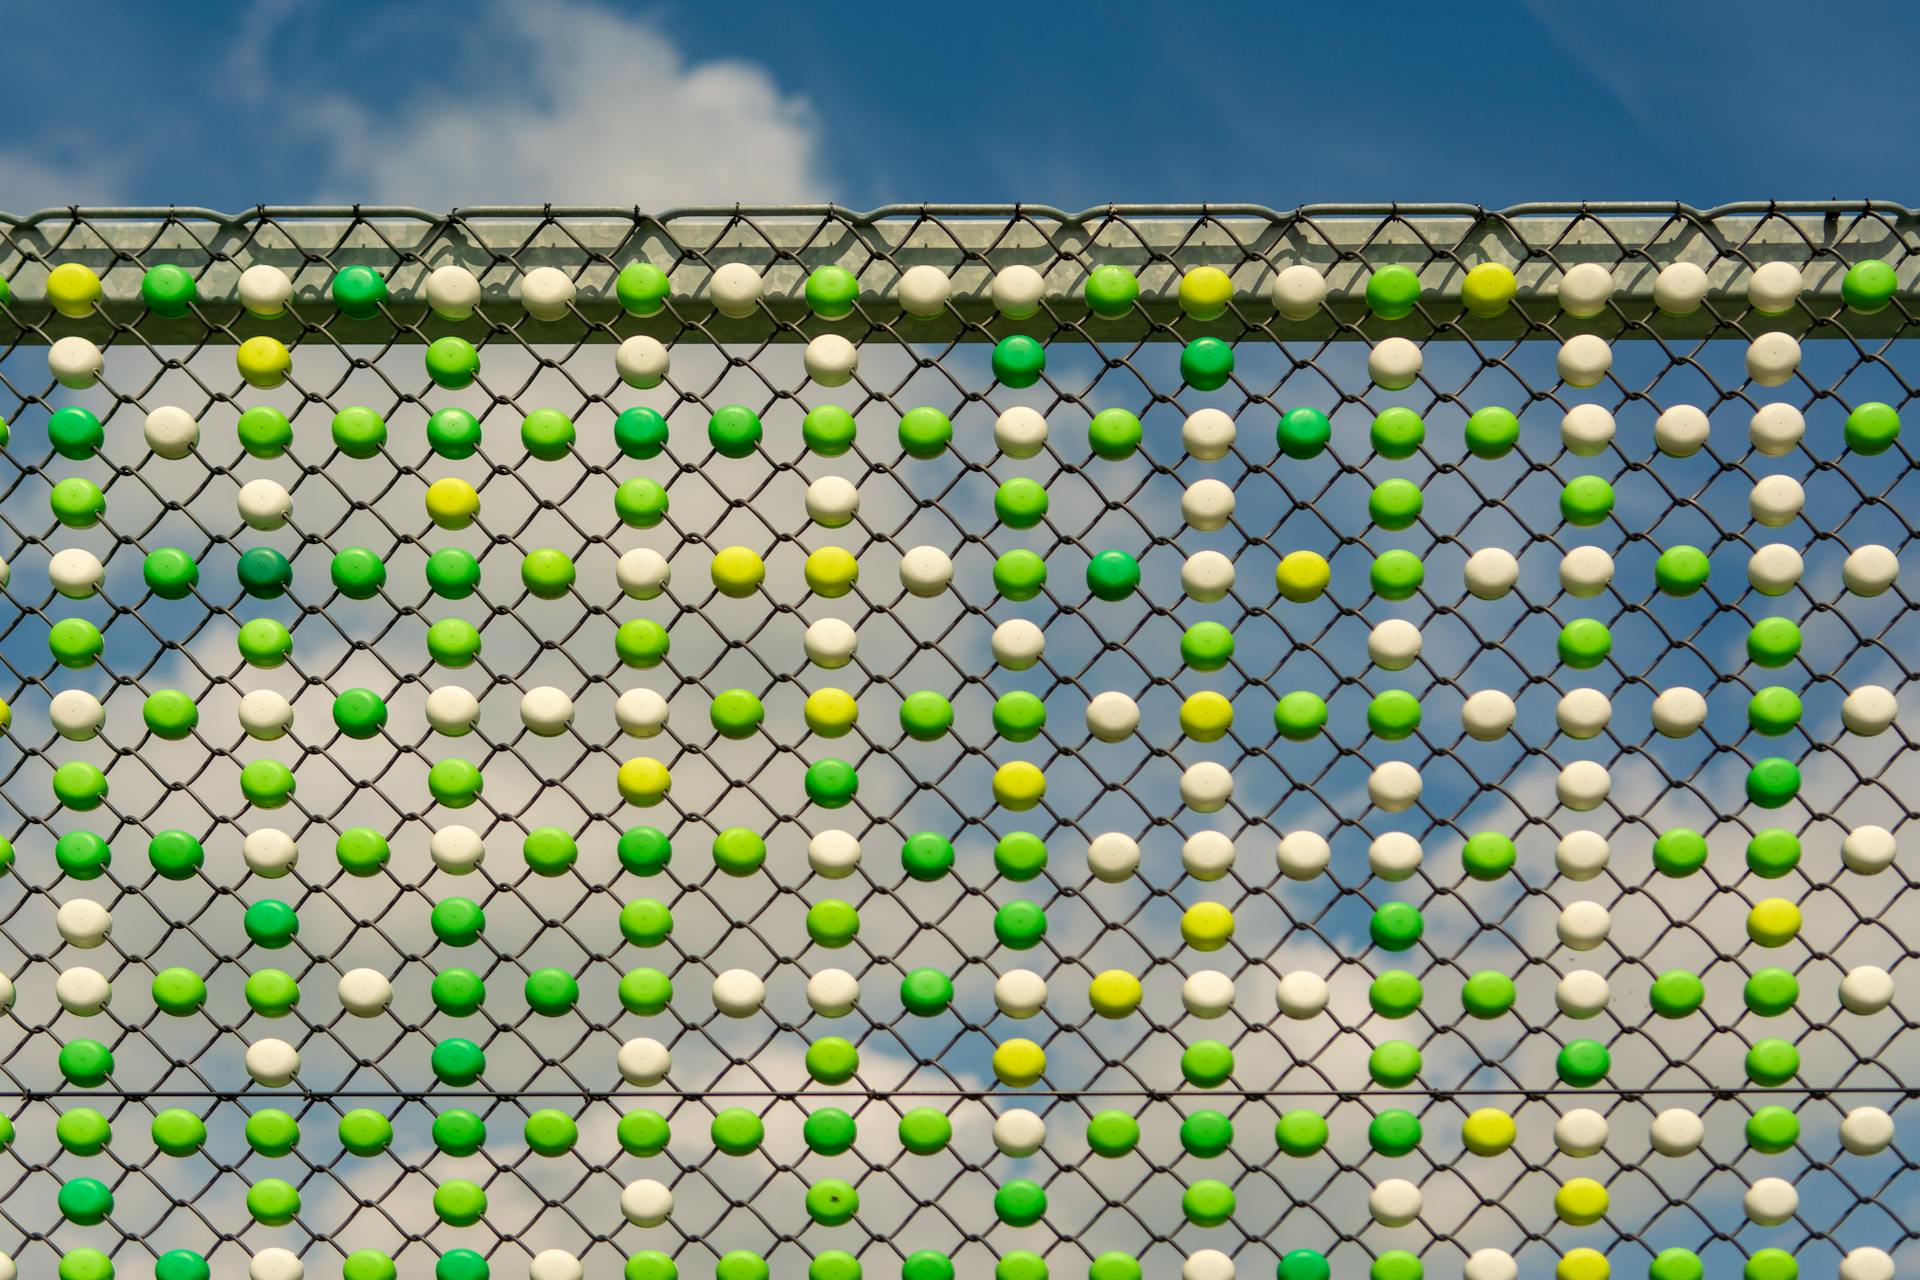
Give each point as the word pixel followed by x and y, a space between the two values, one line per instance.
pixel 1069 104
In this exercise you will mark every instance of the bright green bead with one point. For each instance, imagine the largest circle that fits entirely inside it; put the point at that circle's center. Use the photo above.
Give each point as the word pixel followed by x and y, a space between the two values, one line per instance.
pixel 1018 361
pixel 1772 853
pixel 359 713
pixel 168 290
pixel 1770 1264
pixel 264 431
pixel 1773 642
pixel 1583 1063
pixel 1206 646
pixel 644 850
pixel 1394 1132
pixel 640 502
pixel 1020 855
pixel 80 785
pixel 927 855
pixel 1396 926
pixel 452 573
pixel 1301 1133
pixel 1394 1064
pixel 181 1264
pixel 1584 643
pixel 1771 992
pixel 1394 994
pixel 645 991
pixel 925 1130
pixel 1112 575
pixel 1023 1264
pixel 1020 925
pixel 642 288
pixel 270 923
pixel 358 291
pixel 1303 1264
pixel 367 1264
pixel 85 1063
pixel 178 1132
pixel 1208 1203
pixel 272 993
pixel 547 434
pixel 1872 428
pixel 84 855
pixel 85 1264
pixel 1396 575
pixel 452 362
pixel 927 1264
pixel 359 432
pixel 273 1202
pixel 1868 286
pixel 1395 504
pixel 1393 715
pixel 738 1264
pixel 365 1132
pixel 1492 432
pixel 551 992
pixel 643 1132
pixel 1488 994
pixel 453 642
pixel 1019 574
pixel 1586 501
pixel 1019 716
pixel 170 573
pixel 828 430
pixel 1113 1134
pixel 1020 1203
pixel 1114 434
pixel 736 714
pixel 1392 291
pixel 1772 1062
pixel 646 922
pixel 1488 855
pixel 1303 433
pixel 832 922
pixel 457 1062
pixel 1679 851
pixel 1300 715
pixel 828 1131
pixel 465 1264
pixel 925 432
pixel 925 716
pixel 734 431
pixel 459 1132
pixel 640 432
pixel 1396 1264
pixel 1772 1129
pixel 831 291
pixel 83 1131
pixel 458 922
pixel 77 503
pixel 1772 782
pixel 1206 1064
pixel 1676 993
pixel 272 1132
pixel 264 573
pixel 547 574
pixel 642 642
pixel 454 782
pixel 831 783
pixel 458 993
pixel 74 432
pixel 1397 433
pixel 832 1060
pixel 1020 503
pixel 1111 290
pixel 179 991
pixel 550 1132
pixel 1681 571
pixel 358 574
pixel 1206 364
pixel 453 434
pixel 832 1201
pixel 926 992
pixel 739 851
pixel 1774 711
pixel 459 1202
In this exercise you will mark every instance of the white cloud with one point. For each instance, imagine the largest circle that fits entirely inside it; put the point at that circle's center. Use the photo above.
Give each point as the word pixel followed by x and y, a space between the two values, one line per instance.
pixel 605 110
pixel 30 182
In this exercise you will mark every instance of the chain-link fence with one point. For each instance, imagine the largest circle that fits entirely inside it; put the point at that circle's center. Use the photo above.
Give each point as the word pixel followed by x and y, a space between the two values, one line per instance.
pixel 1161 741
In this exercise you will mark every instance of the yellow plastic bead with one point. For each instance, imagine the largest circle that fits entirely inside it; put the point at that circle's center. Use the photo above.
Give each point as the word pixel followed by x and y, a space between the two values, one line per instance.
pixel 1206 717
pixel 1488 1131
pixel 264 362
pixel 1488 290
pixel 1207 926
pixel 1019 784
pixel 738 572
pixel 1303 575
pixel 1019 1063
pixel 1580 1202
pixel 1114 993
pixel 643 781
pixel 6 716
pixel 832 571
pixel 1773 922
pixel 73 289
pixel 451 503
pixel 1205 293
pixel 830 712
pixel 1583 1264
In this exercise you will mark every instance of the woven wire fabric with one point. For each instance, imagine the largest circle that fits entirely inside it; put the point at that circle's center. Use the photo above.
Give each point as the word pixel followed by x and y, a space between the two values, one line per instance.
pixel 1614 923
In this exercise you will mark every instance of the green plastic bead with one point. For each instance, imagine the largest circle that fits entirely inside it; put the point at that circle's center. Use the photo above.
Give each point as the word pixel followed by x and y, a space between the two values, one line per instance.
pixel 85 1264
pixel 1681 571
pixel 1773 642
pixel 365 1132
pixel 1396 926
pixel 459 1202
pixel 457 1062
pixel 1020 855
pixel 828 430
pixel 832 1201
pixel 734 431
pixel 1394 1132
pixel 547 434
pixel 831 291
pixel 459 1132
pixel 77 503
pixel 465 1264
pixel 168 290
pixel 1773 782
pixel 1021 1264
pixel 84 855
pixel 925 715
pixel 926 1264
pixel 736 714
pixel 83 1131
pixel 358 574
pixel 828 1131
pixel 1868 286
pixel 1301 1133
pixel 1208 1202
pixel 642 643
pixel 1112 575
pixel 170 573
pixel 834 1264
pixel 1772 1062
pixel 1488 855
pixel 1112 1265
pixel 181 1264
pixel 646 922
pixel 1583 1063
pixel 1872 428
pixel 1206 1133
pixel 359 713
pixel 178 1132
pixel 552 992
pixel 640 432
pixel 452 362
pixel 1394 994
pixel 454 642
pixel 1492 432
pixel 359 432
pixel 1020 503
pixel 925 1130
pixel 642 288
pixel 458 922
pixel 640 502
pixel 644 850
pixel 85 1063
pixel 927 855
pixel 1111 290
pixel 1019 574
pixel 1020 925
pixel 272 1132
pixel 85 1201
pixel 1772 1129
pixel 1488 994
pixel 1394 1064
pixel 1584 643
pixel 1114 434
pixel 179 991
pixel 270 923
pixel 368 1264
pixel 926 992
pixel 1303 433
pixel 1586 501
pixel 831 783
pixel 272 993
pixel 549 1132
pixel 1398 433
pixel 264 431
pixel 358 291
pixel 832 922
pixel 454 782
pixel 1771 992
pixel 263 573
pixel 1020 1203
pixel 925 432
pixel 1206 1064
pixel 81 786
pixel 1303 1264
pixel 457 992
pixel 273 1202
pixel 75 642
pixel 1396 1264
pixel 741 1264
pixel 1393 715
pixel 1679 851
pixel 452 573
pixel 1395 504
pixel 1772 853
pixel 1770 1264
pixel 1019 716
pixel 739 851
pixel 1392 291
pixel 1300 715
pixel 1676 993
pixel 453 434
pixel 1018 361
pixel 1206 364
pixel 1206 646
pixel 1396 575
pixel 74 432
pixel 1113 1133
pixel 643 1132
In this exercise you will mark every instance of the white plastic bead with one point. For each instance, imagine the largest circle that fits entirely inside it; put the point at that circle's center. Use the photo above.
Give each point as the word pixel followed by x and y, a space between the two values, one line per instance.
pixel 1490 1264
pixel 264 504
pixel 1680 288
pixel 1866 1263
pixel 1018 643
pixel 1583 713
pixel 1776 429
pixel 738 993
pixel 1682 431
pixel 1112 716
pixel 1775 569
pixel 1207 855
pixel 453 710
pixel 1020 993
pixel 275 1264
pixel 1298 291
pixel 735 290
pixel 832 993
pixel 1394 855
pixel 77 715
pixel 831 360
pixel 1491 572
pixel 1488 715
pixel 1112 857
pixel 642 713
pixel 833 853
pixel 1870 570
pixel 1869 710
pixel 272 1062
pixel 1774 287
pixel 269 852
pixel 1207 994
pixel 645 1202
pixel 1207 576
pixel 452 292
pixel 1679 711
pixel 1206 787
pixel 555 1264
pixel 6 993
pixel 1207 504
pixel 1208 434
pixel 547 293
pixel 1302 855
pixel 1583 785
pixel 75 362
pixel 1394 787
pixel 1019 1133
pixel 643 1061
pixel 1584 360
pixel 1583 925
pixel 1582 994
pixel 1581 855
pixel 1585 290
pixel 1207 1264
pixel 1777 500
pixel 1585 572
pixel 1769 1202
pixel 82 992
pixel 1773 358
pixel 456 849
pixel 546 711
pixel 1677 1132
pixel 642 361
pixel 1394 364
pixel 923 291
pixel 833 501
pixel 265 714
pixel 1866 990
pixel 264 290
pixel 365 993
pixel 171 432
pixel 84 923
pixel 1020 432
pixel 1581 1132
pixel 76 573
pixel 1394 1202
pixel 1587 429
pixel 1866 1131
pixel 830 643
pixel 926 571
pixel 1868 850
pixel 1394 645
pixel 1303 994
pixel 642 573
pixel 1017 291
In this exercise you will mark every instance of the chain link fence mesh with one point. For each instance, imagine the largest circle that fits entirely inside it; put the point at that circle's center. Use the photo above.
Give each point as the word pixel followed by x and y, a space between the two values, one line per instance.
pixel 1583 896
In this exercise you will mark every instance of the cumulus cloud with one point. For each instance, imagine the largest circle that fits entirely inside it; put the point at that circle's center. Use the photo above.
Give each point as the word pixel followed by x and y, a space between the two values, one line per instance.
pixel 31 180
pixel 606 110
